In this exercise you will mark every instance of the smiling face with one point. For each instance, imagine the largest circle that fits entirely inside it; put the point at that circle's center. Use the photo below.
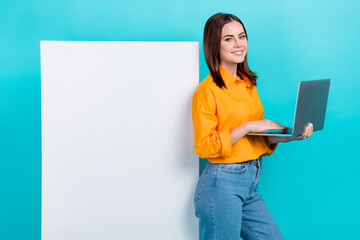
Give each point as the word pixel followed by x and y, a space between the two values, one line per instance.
pixel 233 44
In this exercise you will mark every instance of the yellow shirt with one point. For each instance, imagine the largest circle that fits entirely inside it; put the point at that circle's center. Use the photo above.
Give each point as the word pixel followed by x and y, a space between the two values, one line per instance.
pixel 216 111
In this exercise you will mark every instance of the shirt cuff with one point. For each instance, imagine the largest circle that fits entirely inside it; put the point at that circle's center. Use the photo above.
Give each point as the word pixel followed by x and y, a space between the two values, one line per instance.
pixel 272 147
pixel 226 145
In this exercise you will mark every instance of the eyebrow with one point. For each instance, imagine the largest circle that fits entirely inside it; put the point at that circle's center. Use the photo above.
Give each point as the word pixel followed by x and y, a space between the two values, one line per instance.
pixel 229 35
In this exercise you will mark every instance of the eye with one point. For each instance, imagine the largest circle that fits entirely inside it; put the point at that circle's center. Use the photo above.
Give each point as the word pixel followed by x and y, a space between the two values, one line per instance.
pixel 242 36
pixel 228 39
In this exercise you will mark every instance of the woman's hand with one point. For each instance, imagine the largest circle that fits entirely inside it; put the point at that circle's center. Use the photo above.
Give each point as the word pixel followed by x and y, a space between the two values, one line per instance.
pixel 263 125
pixel 253 126
pixel 308 131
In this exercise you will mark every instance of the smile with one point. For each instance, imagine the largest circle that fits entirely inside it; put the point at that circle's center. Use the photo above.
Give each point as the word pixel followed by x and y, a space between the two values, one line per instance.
pixel 237 53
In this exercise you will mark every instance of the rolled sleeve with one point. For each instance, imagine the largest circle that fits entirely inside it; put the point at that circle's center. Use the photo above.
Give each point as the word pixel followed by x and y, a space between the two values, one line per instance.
pixel 209 142
pixel 271 147
pixel 225 143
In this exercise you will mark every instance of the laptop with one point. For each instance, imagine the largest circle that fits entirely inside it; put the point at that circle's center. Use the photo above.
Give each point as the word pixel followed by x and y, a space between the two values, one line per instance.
pixel 310 108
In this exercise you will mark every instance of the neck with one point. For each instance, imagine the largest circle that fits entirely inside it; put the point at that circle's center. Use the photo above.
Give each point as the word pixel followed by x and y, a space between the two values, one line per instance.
pixel 230 67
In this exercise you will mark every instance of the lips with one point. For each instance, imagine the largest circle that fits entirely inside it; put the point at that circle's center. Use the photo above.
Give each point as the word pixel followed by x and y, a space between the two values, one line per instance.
pixel 237 53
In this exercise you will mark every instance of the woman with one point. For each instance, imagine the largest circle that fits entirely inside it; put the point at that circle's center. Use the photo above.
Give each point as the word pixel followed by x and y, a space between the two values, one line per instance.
pixel 226 107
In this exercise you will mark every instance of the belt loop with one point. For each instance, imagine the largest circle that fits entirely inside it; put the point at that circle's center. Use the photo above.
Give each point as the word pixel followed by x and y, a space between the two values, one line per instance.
pixel 258 161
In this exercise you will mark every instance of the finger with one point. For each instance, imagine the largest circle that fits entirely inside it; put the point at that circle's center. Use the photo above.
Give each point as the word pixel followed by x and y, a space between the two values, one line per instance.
pixel 277 126
pixel 308 129
pixel 272 122
pixel 311 129
pixel 308 132
pixel 305 133
pixel 283 127
pixel 301 137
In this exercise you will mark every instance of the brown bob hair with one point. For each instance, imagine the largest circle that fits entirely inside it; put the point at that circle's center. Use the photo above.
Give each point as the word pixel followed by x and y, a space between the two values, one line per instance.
pixel 212 41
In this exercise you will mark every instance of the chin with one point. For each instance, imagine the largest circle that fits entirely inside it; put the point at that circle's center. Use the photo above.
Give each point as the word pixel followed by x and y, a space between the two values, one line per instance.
pixel 239 60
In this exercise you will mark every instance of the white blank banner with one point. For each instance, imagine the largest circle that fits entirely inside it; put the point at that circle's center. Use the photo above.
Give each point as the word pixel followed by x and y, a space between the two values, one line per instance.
pixel 118 159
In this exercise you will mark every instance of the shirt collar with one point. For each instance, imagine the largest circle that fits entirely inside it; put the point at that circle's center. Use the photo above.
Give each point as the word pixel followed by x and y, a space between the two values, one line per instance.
pixel 229 79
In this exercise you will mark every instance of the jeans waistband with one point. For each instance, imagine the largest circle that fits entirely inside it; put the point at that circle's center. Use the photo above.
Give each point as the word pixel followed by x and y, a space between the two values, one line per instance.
pixel 256 162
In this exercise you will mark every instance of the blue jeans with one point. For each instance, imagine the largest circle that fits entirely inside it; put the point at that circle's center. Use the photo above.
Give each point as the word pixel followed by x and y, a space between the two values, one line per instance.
pixel 228 204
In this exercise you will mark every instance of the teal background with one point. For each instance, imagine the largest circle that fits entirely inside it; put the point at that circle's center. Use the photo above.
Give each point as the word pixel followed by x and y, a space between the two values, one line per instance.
pixel 311 187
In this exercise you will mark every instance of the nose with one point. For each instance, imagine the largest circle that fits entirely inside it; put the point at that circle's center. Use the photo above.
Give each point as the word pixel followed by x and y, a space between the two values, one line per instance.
pixel 237 43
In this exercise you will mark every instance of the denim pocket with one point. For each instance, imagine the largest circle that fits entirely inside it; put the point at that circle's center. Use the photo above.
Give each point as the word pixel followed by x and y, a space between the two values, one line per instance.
pixel 233 168
pixel 201 184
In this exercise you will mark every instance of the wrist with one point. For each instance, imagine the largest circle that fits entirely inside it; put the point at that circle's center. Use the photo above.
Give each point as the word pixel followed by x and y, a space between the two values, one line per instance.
pixel 273 140
pixel 247 127
pixel 270 140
